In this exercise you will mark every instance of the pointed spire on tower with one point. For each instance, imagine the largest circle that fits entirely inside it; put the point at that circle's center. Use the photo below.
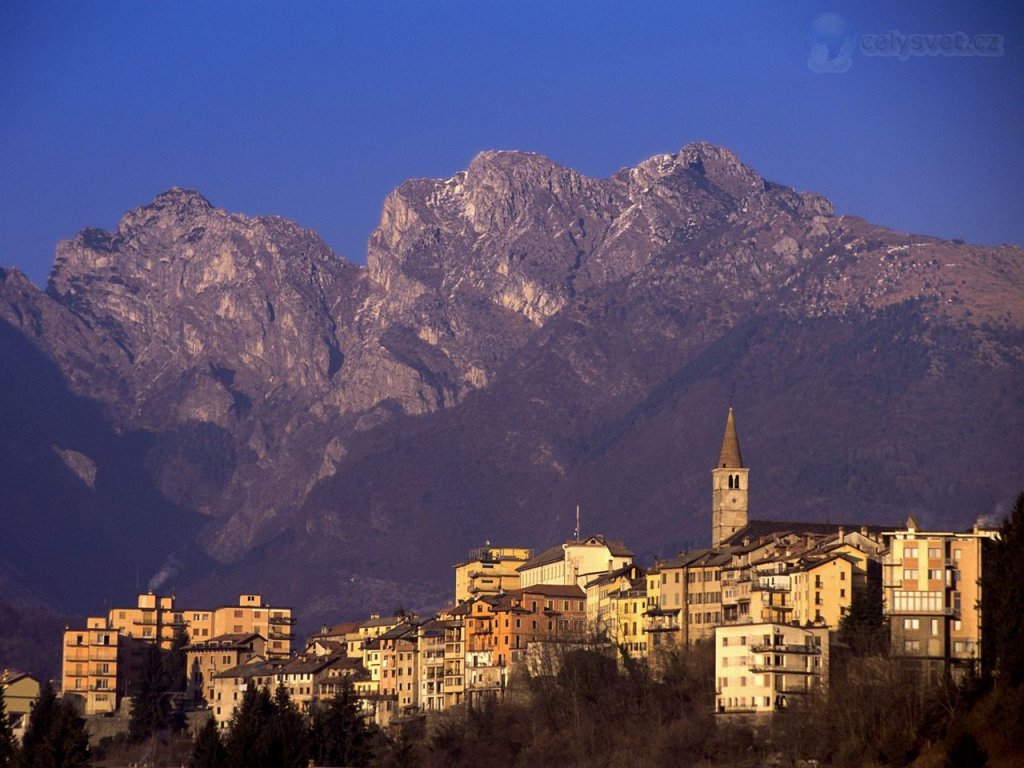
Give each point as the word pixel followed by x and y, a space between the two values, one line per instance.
pixel 730 457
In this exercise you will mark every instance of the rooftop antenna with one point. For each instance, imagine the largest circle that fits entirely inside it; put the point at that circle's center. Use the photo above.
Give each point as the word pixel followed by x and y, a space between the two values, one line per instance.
pixel 577 522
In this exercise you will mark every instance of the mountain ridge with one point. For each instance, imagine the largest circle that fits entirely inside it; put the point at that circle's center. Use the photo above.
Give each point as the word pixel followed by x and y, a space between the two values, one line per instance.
pixel 522 338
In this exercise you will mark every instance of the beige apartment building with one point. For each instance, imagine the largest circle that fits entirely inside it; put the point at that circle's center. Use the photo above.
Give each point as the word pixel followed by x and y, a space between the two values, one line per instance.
pixel 100 666
pixel 251 616
pixel 763 668
pixel 489 571
pixel 932 597
pixel 153 619
pixel 101 663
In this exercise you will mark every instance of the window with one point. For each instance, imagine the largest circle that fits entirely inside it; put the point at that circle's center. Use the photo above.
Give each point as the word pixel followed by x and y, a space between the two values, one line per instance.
pixel 911 623
pixel 910 574
pixel 935 574
pixel 910 552
pixel 935 626
pixel 911 646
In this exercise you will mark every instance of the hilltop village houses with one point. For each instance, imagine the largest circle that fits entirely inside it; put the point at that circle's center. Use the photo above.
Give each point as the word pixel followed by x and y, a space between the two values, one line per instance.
pixel 768 595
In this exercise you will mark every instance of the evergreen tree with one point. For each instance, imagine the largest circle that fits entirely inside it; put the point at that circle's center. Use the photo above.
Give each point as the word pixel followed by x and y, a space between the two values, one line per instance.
pixel 40 721
pixel 287 736
pixel 246 743
pixel 175 663
pixel 1003 600
pixel 55 736
pixel 340 736
pixel 208 750
pixel 67 743
pixel 863 628
pixel 7 745
pixel 150 710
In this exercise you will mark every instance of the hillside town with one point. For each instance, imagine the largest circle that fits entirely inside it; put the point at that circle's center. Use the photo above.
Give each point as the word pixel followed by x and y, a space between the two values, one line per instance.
pixel 769 595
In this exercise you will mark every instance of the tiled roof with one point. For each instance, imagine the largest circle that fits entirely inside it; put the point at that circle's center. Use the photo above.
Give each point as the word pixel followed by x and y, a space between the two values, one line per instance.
pixel 756 529
pixel 551 590
pixel 730 457
pixel 548 556
pixel 234 641
pixel 344 628
pixel 255 667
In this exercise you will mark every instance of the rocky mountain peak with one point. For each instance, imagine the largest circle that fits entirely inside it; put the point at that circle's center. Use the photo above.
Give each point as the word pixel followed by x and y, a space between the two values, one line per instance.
pixel 525 338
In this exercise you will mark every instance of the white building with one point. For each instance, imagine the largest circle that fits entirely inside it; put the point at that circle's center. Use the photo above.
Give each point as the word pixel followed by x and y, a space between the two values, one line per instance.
pixel 577 561
pixel 761 668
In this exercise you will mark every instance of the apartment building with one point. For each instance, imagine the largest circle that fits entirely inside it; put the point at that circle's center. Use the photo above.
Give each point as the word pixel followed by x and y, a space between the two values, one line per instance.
pixel 762 668
pixel 455 655
pixel 489 571
pixel 207 658
pixel 932 597
pixel 430 649
pixel 100 666
pixel 249 616
pixel 153 619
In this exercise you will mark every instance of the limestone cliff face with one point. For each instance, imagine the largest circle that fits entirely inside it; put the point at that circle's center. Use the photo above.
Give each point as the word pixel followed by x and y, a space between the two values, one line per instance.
pixel 524 337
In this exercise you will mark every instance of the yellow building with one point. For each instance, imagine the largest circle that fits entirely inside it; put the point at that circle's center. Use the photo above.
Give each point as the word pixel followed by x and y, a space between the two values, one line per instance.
pixel 229 686
pixel 455 655
pixel 250 616
pixel 21 691
pixel 822 590
pixel 430 649
pixel 157 618
pixel 603 596
pixel 100 666
pixel 489 571
pixel 691 586
pixel 631 634
pixel 153 619
pixel 932 596
pixel 207 658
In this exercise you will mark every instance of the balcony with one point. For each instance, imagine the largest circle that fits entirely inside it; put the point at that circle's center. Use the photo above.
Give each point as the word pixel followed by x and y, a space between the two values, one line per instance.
pixel 280 618
pixel 781 670
pixel 811 650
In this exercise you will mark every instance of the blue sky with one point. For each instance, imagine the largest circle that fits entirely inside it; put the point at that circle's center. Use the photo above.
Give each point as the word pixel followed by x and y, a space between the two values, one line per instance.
pixel 316 111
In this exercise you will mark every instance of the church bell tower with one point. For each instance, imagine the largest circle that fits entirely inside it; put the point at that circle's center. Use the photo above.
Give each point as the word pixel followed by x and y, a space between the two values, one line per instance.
pixel 729 482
